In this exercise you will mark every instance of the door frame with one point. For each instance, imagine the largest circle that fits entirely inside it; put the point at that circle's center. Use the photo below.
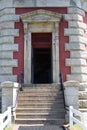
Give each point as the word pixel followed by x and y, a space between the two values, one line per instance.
pixel 37 24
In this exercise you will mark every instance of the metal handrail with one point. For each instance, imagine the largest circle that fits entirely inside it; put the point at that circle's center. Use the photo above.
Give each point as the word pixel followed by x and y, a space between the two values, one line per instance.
pixel 21 80
pixel 62 89
pixel 19 89
pixel 16 101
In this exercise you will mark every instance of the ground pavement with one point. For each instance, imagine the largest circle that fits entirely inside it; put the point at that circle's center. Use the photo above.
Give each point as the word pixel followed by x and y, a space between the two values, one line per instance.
pixel 36 127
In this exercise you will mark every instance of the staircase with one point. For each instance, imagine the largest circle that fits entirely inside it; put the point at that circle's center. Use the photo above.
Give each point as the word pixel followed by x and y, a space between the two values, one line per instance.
pixel 40 103
pixel 83 98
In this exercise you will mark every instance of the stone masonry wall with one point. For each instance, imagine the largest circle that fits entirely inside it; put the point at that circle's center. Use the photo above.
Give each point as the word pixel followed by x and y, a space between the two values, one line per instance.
pixel 7 46
pixel 76 45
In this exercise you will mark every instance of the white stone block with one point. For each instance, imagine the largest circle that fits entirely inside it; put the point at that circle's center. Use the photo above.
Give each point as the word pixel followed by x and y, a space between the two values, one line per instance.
pixel 7 11
pixel 78 70
pixel 78 77
pixel 26 3
pixel 75 62
pixel 5 70
pixel 73 31
pixel 78 39
pixel 41 3
pixel 76 10
pixel 6 39
pixel 84 5
pixel 8 78
pixel 4 4
pixel 8 63
pixel 71 96
pixel 7 18
pixel 78 54
pixel 9 32
pixel 74 46
pixel 9 47
pixel 77 24
pixel 6 55
pixel 7 25
pixel 58 3
pixel 71 17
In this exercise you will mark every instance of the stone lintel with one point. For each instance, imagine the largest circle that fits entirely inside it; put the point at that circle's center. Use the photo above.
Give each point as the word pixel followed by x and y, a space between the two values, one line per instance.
pixel 41 15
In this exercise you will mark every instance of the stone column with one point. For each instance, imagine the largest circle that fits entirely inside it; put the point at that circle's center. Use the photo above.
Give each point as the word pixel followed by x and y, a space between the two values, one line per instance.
pixel 9 94
pixel 55 52
pixel 27 55
pixel 71 93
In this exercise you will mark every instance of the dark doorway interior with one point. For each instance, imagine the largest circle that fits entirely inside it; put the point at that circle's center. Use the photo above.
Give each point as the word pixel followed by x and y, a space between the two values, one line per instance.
pixel 42 66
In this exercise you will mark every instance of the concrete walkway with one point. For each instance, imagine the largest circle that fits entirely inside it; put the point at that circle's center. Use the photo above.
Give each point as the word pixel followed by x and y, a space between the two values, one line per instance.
pixel 36 127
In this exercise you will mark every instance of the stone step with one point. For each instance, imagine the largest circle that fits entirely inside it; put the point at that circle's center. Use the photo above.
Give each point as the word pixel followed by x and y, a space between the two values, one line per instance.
pixel 41 115
pixel 36 110
pixel 40 105
pixel 53 85
pixel 40 101
pixel 24 94
pixel 48 98
pixel 44 103
pixel 83 110
pixel 40 91
pixel 83 87
pixel 82 94
pixel 40 121
pixel 82 103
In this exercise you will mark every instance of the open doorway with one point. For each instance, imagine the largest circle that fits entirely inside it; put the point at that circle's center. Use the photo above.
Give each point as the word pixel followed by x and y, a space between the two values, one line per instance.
pixel 42 65
pixel 42 58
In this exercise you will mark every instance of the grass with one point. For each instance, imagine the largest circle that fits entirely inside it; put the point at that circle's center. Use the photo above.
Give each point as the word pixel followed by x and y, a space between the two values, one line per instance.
pixel 9 128
pixel 75 127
